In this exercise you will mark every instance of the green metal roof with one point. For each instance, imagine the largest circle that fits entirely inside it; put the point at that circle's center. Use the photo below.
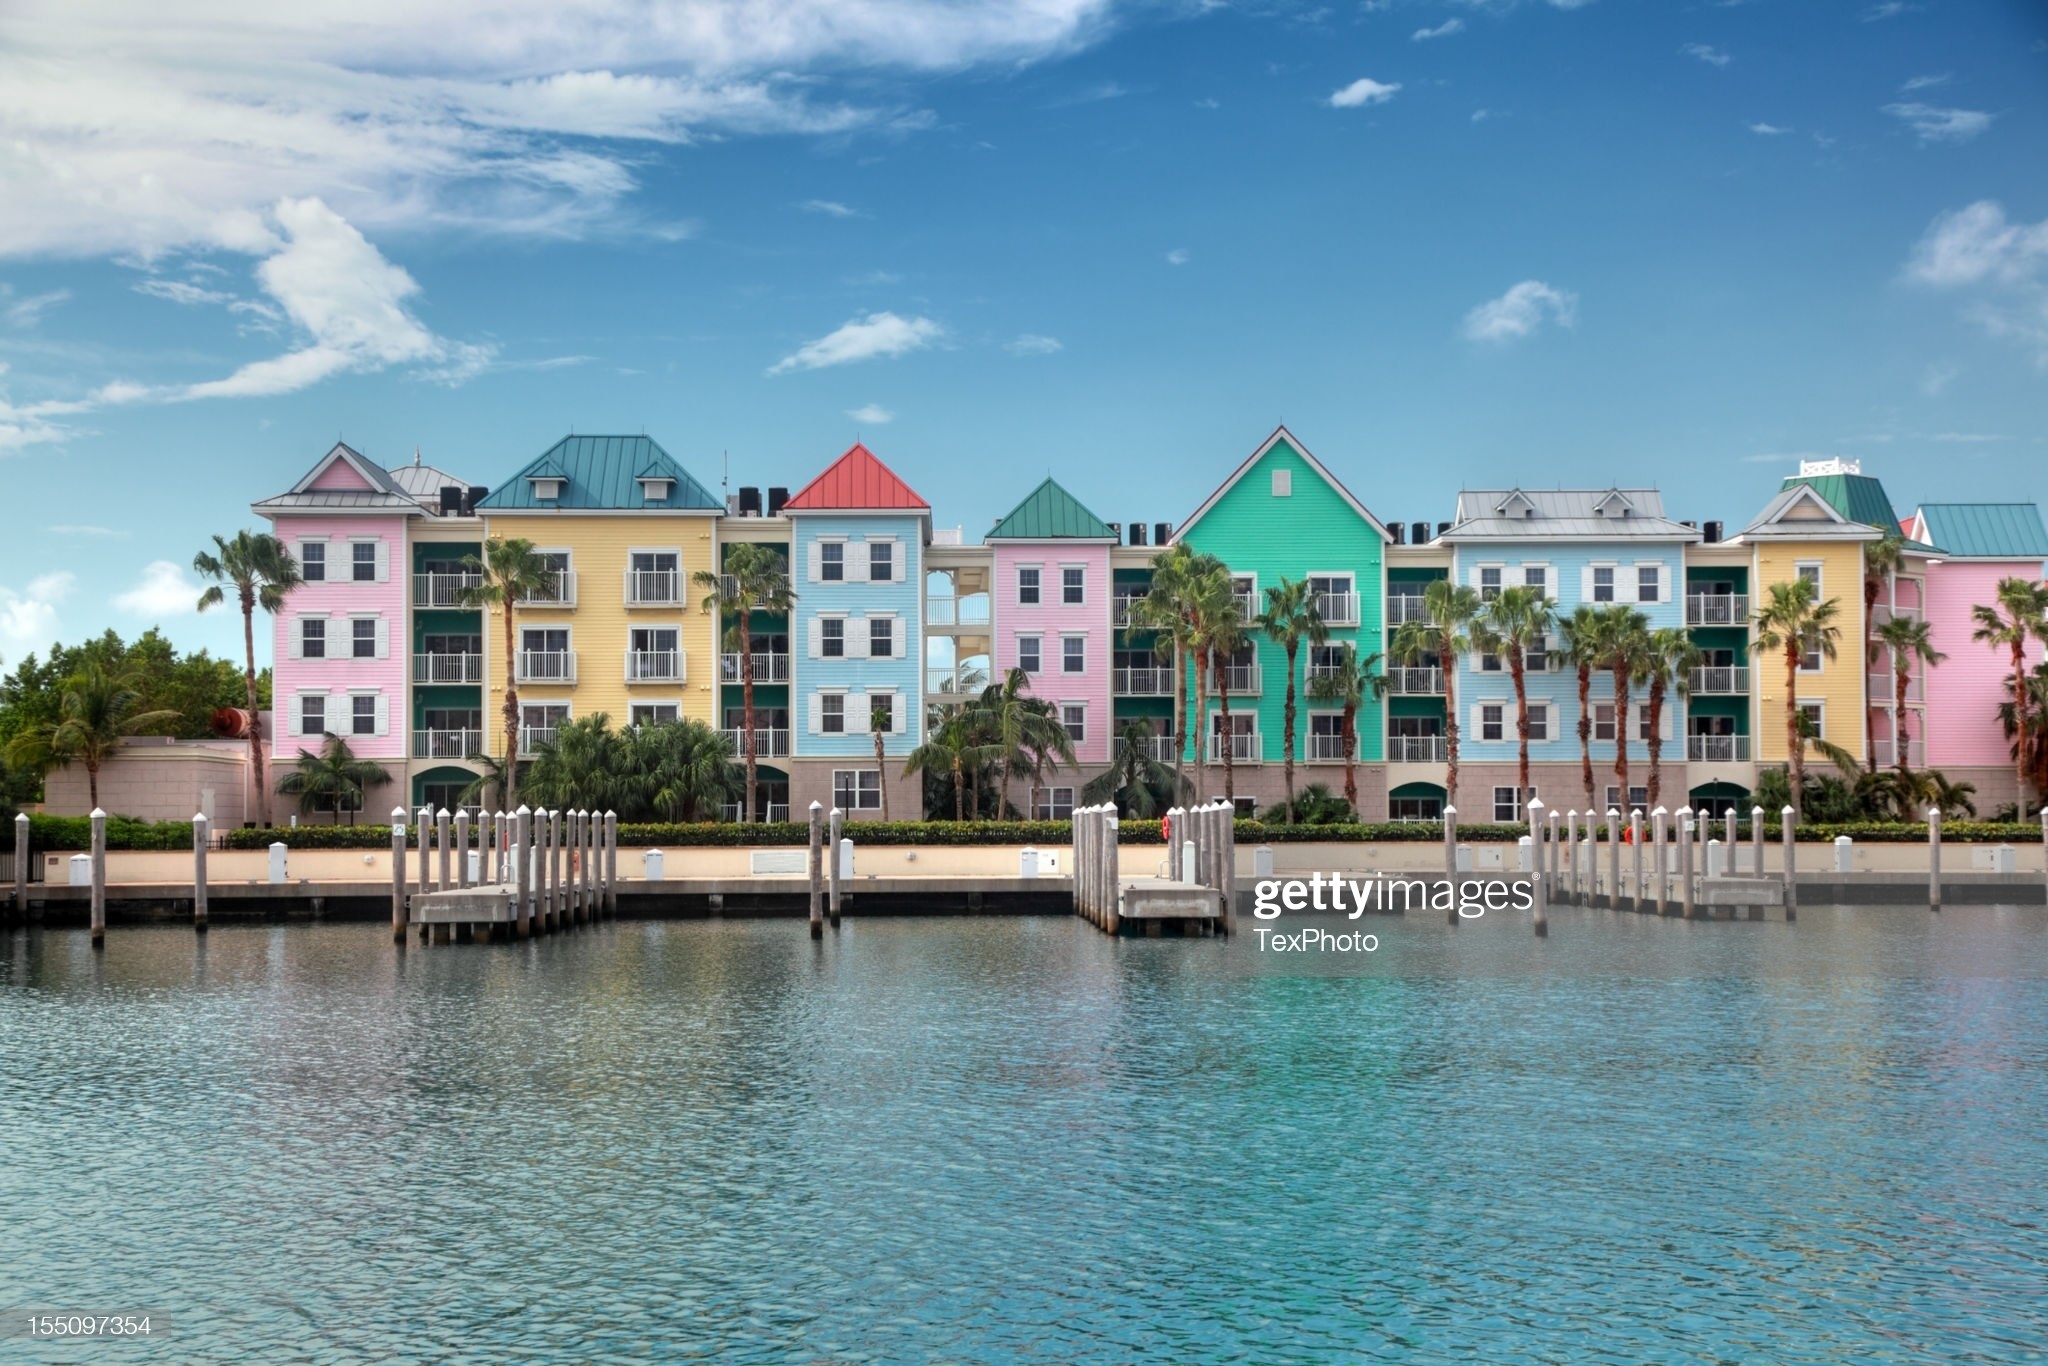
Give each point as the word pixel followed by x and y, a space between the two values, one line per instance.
pixel 603 472
pixel 1859 497
pixel 1987 531
pixel 1050 513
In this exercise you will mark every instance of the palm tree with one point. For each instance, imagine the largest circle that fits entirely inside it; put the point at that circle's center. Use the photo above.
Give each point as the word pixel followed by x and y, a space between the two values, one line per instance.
pixel 951 748
pixel 683 770
pixel 1139 784
pixel 263 573
pixel 492 780
pixel 1021 729
pixel 1509 626
pixel 1448 611
pixel 1881 560
pixel 756 579
pixel 1348 684
pixel 1579 647
pixel 1220 633
pixel 511 570
pixel 1909 639
pixel 1670 658
pixel 1627 640
pixel 1290 618
pixel 95 713
pixel 880 716
pixel 334 779
pixel 2026 724
pixel 1164 609
pixel 2020 615
pixel 1789 623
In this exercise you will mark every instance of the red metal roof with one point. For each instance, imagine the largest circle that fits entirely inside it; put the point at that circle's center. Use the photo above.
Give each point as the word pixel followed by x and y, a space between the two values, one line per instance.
pixel 856 480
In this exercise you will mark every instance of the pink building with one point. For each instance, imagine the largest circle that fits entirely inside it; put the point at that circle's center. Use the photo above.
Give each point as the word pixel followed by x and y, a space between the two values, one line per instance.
pixel 1980 544
pixel 1051 607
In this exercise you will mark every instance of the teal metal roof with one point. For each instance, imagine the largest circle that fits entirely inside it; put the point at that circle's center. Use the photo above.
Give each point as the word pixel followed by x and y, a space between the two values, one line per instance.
pixel 1859 497
pixel 1050 513
pixel 1987 531
pixel 603 472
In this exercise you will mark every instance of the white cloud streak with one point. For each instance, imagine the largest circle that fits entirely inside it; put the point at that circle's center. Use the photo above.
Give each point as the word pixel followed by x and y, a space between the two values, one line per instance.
pixel 1033 344
pixel 1933 123
pixel 162 591
pixel 831 208
pixel 871 415
pixel 1521 312
pixel 1363 92
pixel 1769 130
pixel 1712 56
pixel 1443 30
pixel 877 336
pixel 28 616
pixel 2000 267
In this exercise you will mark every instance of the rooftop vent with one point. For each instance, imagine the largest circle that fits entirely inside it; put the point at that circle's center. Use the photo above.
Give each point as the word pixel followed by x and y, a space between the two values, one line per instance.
pixel 1418 533
pixel 1399 533
pixel 451 499
pixel 1713 533
pixel 750 501
pixel 1137 533
pixel 1162 532
pixel 776 498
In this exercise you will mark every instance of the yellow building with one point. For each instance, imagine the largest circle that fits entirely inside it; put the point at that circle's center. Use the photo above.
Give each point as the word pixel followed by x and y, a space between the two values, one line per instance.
pixel 624 634
pixel 1799 534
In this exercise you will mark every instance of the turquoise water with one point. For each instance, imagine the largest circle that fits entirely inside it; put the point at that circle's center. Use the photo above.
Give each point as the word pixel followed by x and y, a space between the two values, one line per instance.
pixel 1637 1141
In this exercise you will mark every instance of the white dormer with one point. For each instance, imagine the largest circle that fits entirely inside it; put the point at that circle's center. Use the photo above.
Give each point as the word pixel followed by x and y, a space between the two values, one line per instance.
pixel 655 489
pixel 1516 504
pixel 1614 504
pixel 546 487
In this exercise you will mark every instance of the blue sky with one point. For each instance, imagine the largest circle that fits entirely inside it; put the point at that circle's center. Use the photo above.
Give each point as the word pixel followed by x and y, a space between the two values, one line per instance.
pixel 1446 243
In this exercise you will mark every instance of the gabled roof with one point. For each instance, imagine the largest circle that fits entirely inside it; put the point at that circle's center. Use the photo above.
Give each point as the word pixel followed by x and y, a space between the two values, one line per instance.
pixel 1861 498
pixel 602 473
pixel 856 481
pixel 380 491
pixel 1050 513
pixel 1280 434
pixel 1564 514
pixel 425 482
pixel 1983 531
pixel 1801 513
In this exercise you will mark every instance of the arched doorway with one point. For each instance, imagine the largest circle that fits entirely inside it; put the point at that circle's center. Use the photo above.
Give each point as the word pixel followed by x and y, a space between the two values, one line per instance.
pixel 1416 802
pixel 1718 797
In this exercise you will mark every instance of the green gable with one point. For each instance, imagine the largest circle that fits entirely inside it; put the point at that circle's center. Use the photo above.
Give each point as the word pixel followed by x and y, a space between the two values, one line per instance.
pixel 1050 513
pixel 603 472
pixel 1859 497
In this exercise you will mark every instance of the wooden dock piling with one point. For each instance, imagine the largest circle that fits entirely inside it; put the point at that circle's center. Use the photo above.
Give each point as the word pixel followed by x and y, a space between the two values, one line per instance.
pixel 1112 919
pixel 817 871
pixel 21 866
pixel 558 903
pixel 442 880
pixel 522 868
pixel 611 863
pixel 1539 878
pixel 462 876
pixel 1556 818
pixel 1635 844
pixel 99 878
pixel 1686 834
pixel 199 838
pixel 1660 862
pixel 1613 859
pixel 1934 858
pixel 837 824
pixel 398 875
pixel 1789 819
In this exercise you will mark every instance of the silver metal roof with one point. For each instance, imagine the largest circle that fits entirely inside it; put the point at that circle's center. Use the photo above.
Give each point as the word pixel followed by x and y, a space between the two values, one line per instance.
pixel 1577 514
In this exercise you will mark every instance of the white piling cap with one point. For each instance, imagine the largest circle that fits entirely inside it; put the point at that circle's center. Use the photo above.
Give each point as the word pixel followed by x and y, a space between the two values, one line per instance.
pixel 198 818
pixel 21 819
pixel 442 814
pixel 1685 811
pixel 1536 804
pixel 398 815
pixel 816 807
pixel 1660 811
pixel 1933 813
pixel 1788 811
pixel 1612 814
pixel 524 810
pixel 611 815
pixel 1450 811
pixel 1756 811
pixel 97 814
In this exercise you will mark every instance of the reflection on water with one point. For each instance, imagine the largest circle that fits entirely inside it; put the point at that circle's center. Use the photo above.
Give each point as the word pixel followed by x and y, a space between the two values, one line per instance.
pixel 974 1139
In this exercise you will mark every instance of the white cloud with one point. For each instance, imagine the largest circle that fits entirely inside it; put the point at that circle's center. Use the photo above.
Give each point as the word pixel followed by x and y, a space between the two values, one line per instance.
pixel 28 312
pixel 1937 379
pixel 1769 130
pixel 1178 257
pixel 1443 30
pixel 1932 123
pixel 1888 9
pixel 1925 82
pixel 1363 91
pixel 867 338
pixel 1033 344
pixel 1481 115
pixel 831 208
pixel 162 591
pixel 183 292
pixel 1965 438
pixel 1712 56
pixel 80 529
pixel 28 618
pixel 1521 312
pixel 871 415
pixel 1208 102
pixel 2001 266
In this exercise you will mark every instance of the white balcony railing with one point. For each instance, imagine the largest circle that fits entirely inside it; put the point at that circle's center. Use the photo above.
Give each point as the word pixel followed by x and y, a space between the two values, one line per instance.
pixel 1404 607
pixel 1884 689
pixel 1141 682
pixel 1415 682
pixel 1244 746
pixel 777 811
pixel 547 666
pixel 768 744
pixel 1337 609
pixel 532 738
pixel 1887 749
pixel 1120 608
pixel 1717 749
pixel 1325 749
pixel 1716 609
pixel 1882 614
pixel 1415 749
pixel 1717 680
pixel 768 668
pixel 1164 748
pixel 654 587
pixel 970 611
pixel 446 744
pixel 443 590
pixel 1243 678
pixel 448 668
pixel 1247 605
pixel 654 666
pixel 564 594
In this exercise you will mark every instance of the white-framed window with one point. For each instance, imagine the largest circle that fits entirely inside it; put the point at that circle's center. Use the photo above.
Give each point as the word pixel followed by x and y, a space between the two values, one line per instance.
pixel 1539 723
pixel 362 713
pixel 1817 715
pixel 362 637
pixel 1638 800
pixel 832 713
pixel 1507 807
pixel 857 789
pixel 1536 659
pixel 312 713
pixel 1073 654
pixel 1489 663
pixel 881 712
pixel 1603 720
pixel 653 713
pixel 881 637
pixel 1073 585
pixel 832 561
pixel 1054 804
pixel 1489 582
pixel 1810 659
pixel 540 720
pixel 1536 576
pixel 1283 483
pixel 1603 583
pixel 1027 653
pixel 363 561
pixel 1649 583
pixel 1492 720
pixel 1074 716
pixel 832 637
pixel 1810 571
pixel 313 637
pixel 313 561
pixel 881 561
pixel 1642 720
pixel 1027 585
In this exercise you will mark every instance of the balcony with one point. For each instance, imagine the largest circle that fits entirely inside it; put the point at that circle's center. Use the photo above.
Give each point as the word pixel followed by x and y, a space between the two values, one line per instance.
pixel 447 744
pixel 1120 608
pixel 1247 605
pixel 1415 749
pixel 532 738
pixel 1883 613
pixel 1886 751
pixel 1716 609
pixel 972 611
pixel 1243 745
pixel 1325 749
pixel 1718 681
pixel 652 666
pixel 777 811
pixel 1415 682
pixel 1337 609
pixel 1884 689
pixel 768 668
pixel 1404 607
pixel 1141 682
pixel 1717 749
pixel 1242 678
pixel 654 588
pixel 448 668
pixel 564 594
pixel 547 666
pixel 768 744
pixel 1163 748
pixel 443 590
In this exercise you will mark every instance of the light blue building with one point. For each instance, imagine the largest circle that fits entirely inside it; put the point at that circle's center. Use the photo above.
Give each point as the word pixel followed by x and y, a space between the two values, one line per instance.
pixel 858 538
pixel 1596 547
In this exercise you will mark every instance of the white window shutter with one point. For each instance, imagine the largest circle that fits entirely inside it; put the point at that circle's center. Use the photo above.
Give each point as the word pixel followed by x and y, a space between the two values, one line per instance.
pixel 856 637
pixel 383 714
pixel 899 564
pixel 897 711
pixel 1472 576
pixel 1664 724
pixel 294 722
pixel 816 556
pixel 817 633
pixel 858 708
pixel 383 560
pixel 383 638
pixel 817 709
pixel 857 561
pixel 298 641
pixel 1663 583
pixel 1472 731
pixel 1585 583
pixel 1550 582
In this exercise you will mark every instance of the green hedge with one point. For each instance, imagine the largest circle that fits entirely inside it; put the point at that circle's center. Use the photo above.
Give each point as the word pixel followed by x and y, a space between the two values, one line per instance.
pixel 73 834
pixel 1863 832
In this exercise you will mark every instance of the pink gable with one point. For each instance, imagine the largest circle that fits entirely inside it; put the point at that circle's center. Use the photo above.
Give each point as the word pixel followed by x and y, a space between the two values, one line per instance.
pixel 339 474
